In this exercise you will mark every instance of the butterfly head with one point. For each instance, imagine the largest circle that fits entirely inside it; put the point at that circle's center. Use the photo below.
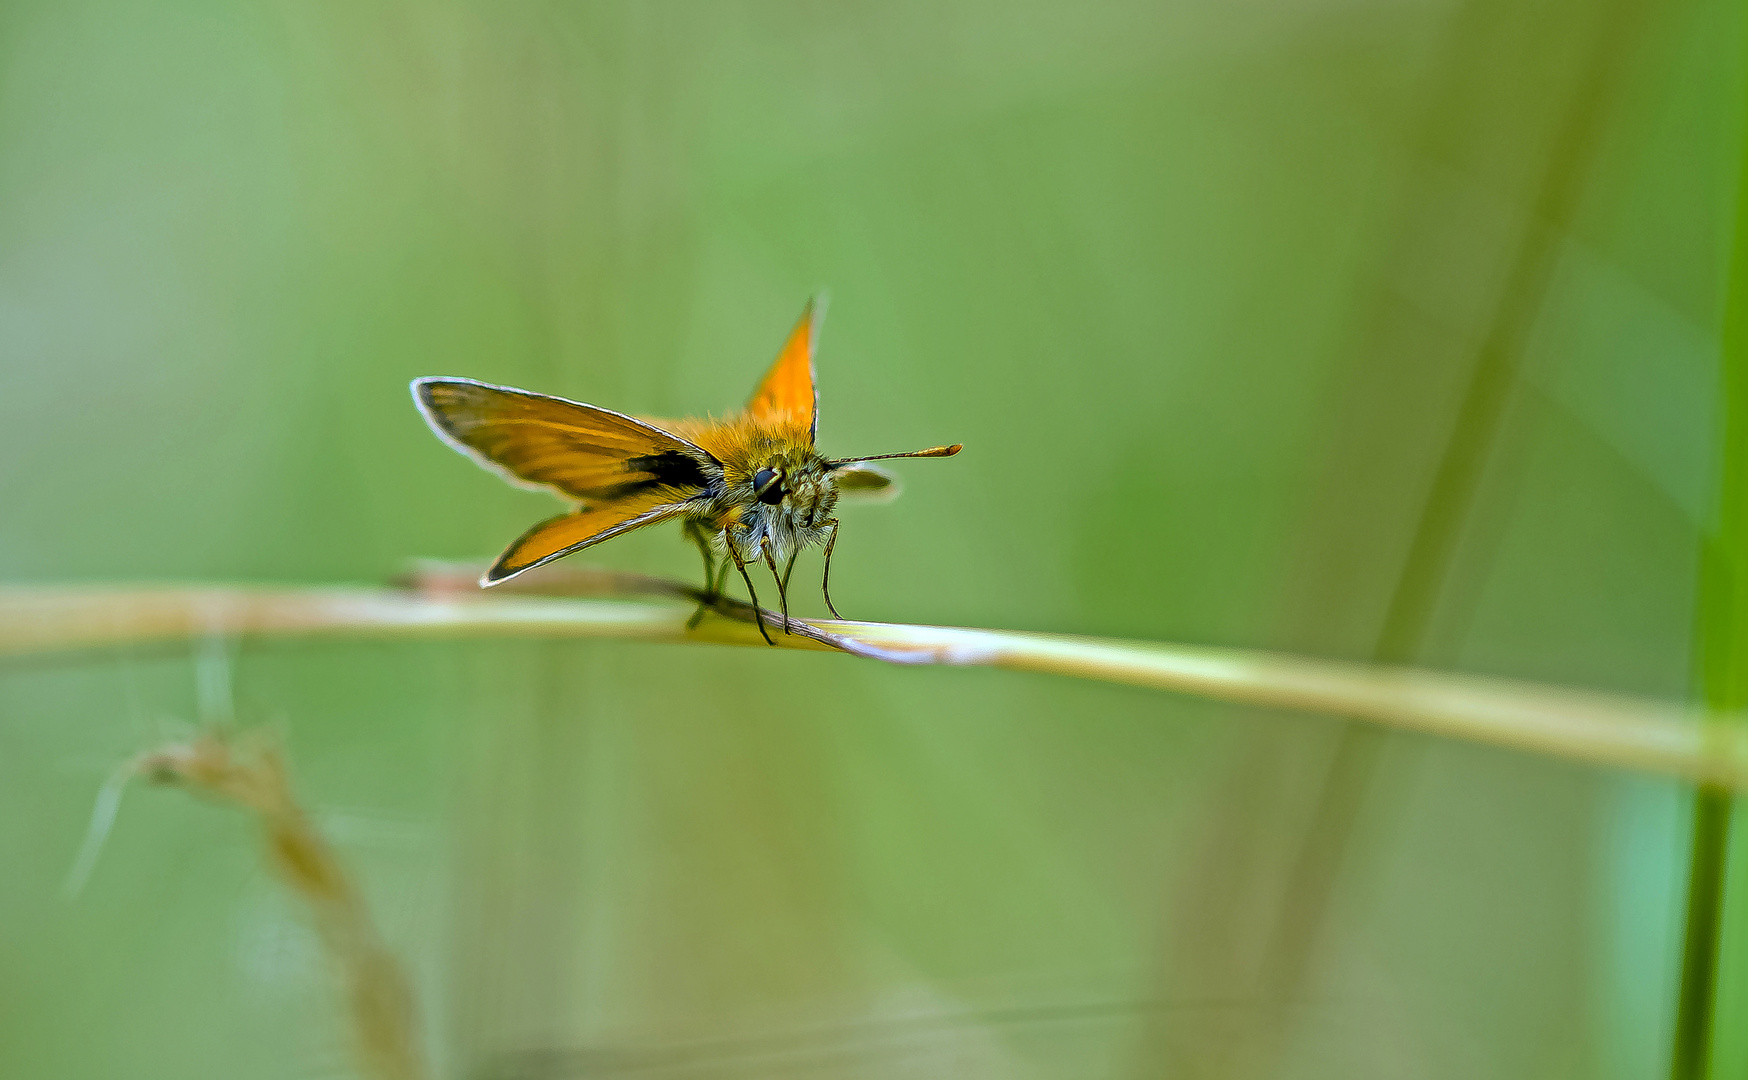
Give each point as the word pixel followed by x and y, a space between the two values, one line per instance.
pixel 792 491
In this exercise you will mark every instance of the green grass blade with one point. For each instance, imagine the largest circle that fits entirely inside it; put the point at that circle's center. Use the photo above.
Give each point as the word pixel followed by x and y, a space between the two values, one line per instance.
pixel 1723 668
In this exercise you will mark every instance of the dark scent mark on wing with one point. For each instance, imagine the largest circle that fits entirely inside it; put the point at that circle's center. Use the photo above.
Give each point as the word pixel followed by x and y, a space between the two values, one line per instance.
pixel 670 468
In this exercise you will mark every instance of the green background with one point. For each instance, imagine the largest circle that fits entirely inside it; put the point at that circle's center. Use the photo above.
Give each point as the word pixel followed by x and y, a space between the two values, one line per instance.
pixel 1216 295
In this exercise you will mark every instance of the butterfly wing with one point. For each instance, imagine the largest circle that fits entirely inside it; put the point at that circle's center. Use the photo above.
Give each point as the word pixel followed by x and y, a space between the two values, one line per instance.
pixel 787 396
pixel 865 483
pixel 578 451
pixel 559 536
pixel 628 472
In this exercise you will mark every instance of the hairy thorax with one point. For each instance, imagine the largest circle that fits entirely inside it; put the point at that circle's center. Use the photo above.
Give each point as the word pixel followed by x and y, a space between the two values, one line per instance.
pixel 776 492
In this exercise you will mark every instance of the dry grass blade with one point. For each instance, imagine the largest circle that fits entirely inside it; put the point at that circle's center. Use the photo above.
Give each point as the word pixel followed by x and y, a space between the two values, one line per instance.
pixel 251 773
pixel 1578 725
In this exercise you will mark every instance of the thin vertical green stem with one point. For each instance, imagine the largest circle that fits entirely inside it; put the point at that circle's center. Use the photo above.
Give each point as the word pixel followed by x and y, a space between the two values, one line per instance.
pixel 1457 478
pixel 1691 1051
pixel 1722 666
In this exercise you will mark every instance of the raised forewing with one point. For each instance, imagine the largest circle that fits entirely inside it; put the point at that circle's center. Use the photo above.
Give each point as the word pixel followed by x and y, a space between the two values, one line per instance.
pixel 576 450
pixel 787 396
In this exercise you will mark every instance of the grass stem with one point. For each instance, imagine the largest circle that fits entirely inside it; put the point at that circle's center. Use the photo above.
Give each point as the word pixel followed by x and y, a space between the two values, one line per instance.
pixel 1722 675
pixel 1578 725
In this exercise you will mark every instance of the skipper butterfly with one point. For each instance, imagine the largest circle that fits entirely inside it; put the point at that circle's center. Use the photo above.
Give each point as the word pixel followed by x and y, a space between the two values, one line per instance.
pixel 748 488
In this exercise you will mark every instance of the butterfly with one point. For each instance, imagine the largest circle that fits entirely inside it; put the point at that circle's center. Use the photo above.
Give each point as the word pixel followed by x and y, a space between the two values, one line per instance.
pixel 748 488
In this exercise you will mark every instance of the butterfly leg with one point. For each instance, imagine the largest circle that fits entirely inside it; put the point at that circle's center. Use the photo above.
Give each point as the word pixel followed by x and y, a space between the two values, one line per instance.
pixel 758 612
pixel 825 581
pixel 782 583
pixel 712 586
pixel 695 533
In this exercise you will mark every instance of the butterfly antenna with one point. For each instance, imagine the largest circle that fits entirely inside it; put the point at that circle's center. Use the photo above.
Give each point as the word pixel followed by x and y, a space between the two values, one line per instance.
pixel 933 451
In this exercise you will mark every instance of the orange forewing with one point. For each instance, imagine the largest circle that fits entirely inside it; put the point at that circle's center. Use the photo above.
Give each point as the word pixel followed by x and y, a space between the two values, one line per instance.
pixel 787 396
pixel 559 536
pixel 577 450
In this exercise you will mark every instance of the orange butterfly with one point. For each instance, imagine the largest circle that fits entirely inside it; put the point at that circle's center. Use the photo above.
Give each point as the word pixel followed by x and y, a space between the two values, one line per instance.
pixel 751 486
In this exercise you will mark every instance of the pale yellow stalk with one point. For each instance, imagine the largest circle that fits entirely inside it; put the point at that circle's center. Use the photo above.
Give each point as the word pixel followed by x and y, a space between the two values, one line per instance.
pixel 250 773
pixel 1607 729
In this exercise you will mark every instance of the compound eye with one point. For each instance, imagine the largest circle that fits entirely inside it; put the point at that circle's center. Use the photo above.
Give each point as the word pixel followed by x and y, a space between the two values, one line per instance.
pixel 766 484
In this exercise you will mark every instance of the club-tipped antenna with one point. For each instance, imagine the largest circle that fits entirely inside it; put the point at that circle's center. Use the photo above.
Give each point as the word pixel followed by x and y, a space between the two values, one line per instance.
pixel 933 451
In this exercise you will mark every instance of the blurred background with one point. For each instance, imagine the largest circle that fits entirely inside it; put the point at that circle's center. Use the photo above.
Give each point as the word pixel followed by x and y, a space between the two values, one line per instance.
pixel 1375 329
